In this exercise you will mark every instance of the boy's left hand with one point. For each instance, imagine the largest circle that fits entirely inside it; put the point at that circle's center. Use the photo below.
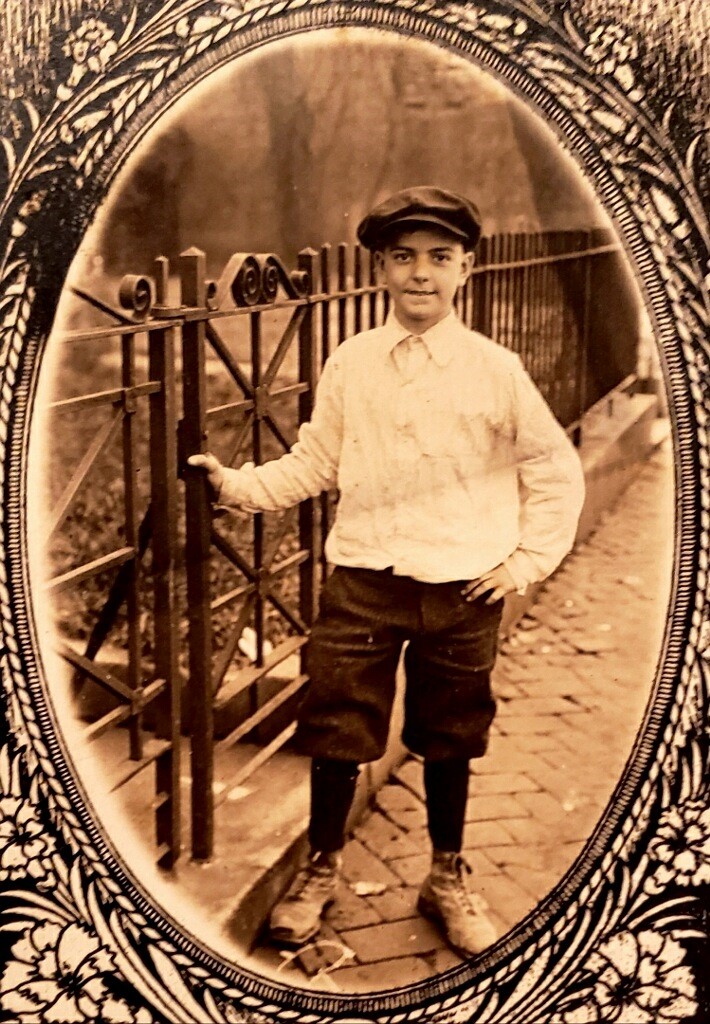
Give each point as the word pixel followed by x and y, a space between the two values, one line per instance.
pixel 498 581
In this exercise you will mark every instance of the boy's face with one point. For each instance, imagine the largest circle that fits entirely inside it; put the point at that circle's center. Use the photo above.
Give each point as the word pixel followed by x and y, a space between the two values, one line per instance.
pixel 422 270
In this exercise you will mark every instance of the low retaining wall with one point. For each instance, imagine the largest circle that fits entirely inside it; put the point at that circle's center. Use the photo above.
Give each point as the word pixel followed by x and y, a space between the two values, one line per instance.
pixel 616 439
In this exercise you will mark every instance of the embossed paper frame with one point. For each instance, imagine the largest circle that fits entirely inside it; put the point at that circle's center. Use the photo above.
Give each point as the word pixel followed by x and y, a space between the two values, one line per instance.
pixel 629 912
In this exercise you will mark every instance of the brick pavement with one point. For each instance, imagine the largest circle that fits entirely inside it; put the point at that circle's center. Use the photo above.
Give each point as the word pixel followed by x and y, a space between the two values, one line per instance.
pixel 572 682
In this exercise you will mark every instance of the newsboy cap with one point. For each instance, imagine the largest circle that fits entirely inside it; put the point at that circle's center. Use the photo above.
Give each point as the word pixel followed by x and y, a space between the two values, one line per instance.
pixel 425 205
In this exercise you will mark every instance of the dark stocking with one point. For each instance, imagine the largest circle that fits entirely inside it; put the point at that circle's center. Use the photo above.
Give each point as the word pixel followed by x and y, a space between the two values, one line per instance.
pixel 446 787
pixel 332 792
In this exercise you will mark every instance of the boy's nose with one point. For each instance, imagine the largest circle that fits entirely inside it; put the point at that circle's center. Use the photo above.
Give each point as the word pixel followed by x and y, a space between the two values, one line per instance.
pixel 421 270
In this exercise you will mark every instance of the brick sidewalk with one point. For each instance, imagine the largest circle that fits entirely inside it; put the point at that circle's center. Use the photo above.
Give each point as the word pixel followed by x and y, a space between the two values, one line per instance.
pixel 572 682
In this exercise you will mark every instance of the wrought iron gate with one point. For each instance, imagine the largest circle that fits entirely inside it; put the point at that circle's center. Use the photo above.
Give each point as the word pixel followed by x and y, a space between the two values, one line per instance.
pixel 251 346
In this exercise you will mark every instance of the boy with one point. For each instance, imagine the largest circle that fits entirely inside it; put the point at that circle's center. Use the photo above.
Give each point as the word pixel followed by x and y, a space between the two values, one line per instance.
pixel 457 487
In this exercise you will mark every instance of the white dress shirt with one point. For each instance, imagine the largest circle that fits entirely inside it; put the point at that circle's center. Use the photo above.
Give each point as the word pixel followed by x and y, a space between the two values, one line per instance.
pixel 448 460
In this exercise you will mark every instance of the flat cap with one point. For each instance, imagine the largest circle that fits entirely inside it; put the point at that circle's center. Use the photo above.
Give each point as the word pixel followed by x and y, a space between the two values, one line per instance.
pixel 422 205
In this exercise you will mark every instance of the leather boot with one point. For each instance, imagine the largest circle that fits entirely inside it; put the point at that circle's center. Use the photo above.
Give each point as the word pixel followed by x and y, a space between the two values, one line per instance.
pixel 297 916
pixel 444 898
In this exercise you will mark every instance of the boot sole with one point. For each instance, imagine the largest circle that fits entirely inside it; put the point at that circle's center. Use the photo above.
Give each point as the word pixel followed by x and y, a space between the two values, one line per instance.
pixel 283 937
pixel 432 913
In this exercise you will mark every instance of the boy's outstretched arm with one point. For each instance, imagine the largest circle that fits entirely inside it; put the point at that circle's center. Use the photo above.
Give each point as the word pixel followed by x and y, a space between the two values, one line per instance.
pixel 310 467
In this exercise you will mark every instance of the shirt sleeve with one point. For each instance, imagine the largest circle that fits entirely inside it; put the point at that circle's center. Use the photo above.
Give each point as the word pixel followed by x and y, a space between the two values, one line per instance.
pixel 310 467
pixel 551 486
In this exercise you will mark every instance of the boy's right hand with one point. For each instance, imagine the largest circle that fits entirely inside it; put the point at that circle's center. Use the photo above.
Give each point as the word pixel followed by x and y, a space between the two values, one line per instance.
pixel 212 466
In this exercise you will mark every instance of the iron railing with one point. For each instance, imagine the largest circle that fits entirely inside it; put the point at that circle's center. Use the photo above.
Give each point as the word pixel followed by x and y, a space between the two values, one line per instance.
pixel 252 347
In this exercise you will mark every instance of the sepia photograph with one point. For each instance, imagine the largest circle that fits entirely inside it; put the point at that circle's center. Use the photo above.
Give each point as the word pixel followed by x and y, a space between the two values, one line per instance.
pixel 355 531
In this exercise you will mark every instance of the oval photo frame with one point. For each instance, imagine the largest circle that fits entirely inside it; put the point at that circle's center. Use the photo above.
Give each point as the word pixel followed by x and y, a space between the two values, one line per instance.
pixel 626 900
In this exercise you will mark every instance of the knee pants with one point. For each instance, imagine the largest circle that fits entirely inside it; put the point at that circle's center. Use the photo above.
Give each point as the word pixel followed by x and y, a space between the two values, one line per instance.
pixel 366 617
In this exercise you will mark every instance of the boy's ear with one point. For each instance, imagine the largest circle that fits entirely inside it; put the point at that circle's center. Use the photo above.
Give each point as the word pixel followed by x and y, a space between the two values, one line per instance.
pixel 469 258
pixel 379 258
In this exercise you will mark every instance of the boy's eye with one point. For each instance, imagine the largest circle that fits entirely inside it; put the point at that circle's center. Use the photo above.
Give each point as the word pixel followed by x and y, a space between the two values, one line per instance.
pixel 442 257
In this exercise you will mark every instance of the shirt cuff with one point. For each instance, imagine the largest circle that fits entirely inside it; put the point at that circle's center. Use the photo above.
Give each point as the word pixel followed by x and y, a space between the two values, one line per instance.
pixel 519 565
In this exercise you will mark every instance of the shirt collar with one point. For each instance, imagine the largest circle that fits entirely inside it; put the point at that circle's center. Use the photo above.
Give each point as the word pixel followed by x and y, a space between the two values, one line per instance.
pixel 439 339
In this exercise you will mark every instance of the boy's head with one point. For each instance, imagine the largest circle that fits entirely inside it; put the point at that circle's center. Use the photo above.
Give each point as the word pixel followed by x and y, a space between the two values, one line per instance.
pixel 423 239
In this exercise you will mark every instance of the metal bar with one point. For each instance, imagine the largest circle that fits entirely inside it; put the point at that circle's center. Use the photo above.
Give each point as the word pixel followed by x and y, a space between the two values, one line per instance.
pixel 584 348
pixel 164 498
pixel 102 439
pixel 227 358
pixel 341 294
pixel 104 307
pixel 547 258
pixel 229 551
pixel 327 303
pixel 154 750
pixel 245 405
pixel 117 593
pixel 239 441
pixel 268 708
pixel 106 722
pixel 224 658
pixel 231 595
pixel 99 333
pixel 479 284
pixel 112 397
pixel 120 714
pixel 276 431
pixel 372 319
pixel 248 677
pixel 258 519
pixel 308 366
pixel 357 292
pixel 283 346
pixel 256 762
pixel 130 477
pixel 89 569
pixel 197 558
pixel 100 675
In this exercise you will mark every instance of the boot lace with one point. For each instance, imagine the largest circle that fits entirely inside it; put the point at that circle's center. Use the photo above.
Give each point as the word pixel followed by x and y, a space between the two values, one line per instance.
pixel 310 879
pixel 472 901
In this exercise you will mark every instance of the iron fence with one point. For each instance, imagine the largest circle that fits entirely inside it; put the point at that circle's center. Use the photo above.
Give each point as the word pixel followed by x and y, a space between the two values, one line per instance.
pixel 251 347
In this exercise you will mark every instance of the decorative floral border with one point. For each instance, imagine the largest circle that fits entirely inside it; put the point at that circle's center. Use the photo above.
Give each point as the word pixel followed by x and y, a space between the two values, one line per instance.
pixel 618 939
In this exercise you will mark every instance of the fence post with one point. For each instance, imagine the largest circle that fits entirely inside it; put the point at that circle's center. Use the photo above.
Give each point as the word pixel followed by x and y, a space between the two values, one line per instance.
pixel 308 373
pixel 198 526
pixel 584 323
pixel 163 504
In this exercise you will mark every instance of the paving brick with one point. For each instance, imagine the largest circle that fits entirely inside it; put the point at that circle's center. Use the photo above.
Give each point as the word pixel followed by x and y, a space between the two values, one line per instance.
pixel 542 807
pixel 538 883
pixel 441 960
pixel 410 774
pixel 496 808
pixel 504 758
pixel 350 911
pixel 502 783
pixel 522 742
pixel 514 725
pixel 324 951
pixel 396 904
pixel 387 974
pixel 384 838
pixel 531 832
pixel 479 862
pixel 508 900
pixel 359 864
pixel 482 834
pixel 412 870
pixel 534 706
pixel 392 939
